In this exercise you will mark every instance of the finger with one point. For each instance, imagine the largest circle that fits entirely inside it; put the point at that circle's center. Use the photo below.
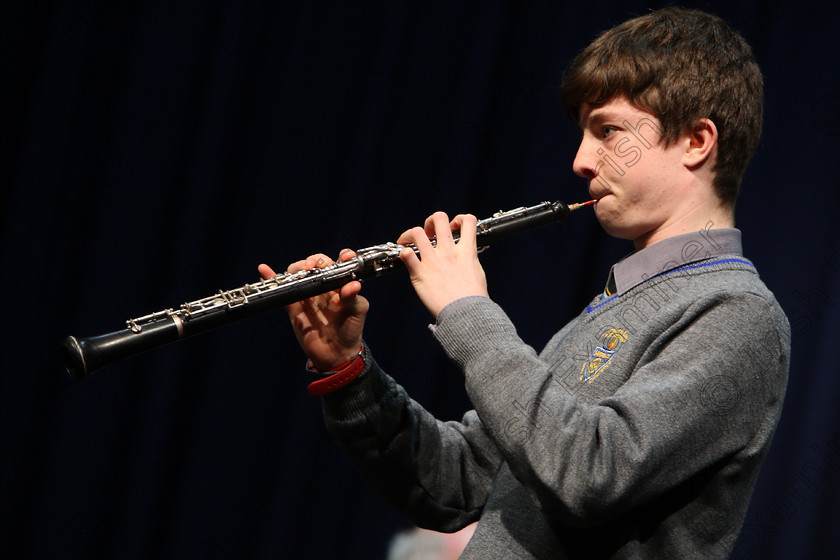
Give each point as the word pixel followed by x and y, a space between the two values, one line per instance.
pixel 437 226
pixel 467 225
pixel 321 308
pixel 409 258
pixel 318 260
pixel 404 239
pixel 349 296
pixel 296 266
pixel 266 271
pixel 353 303
pixel 418 246
pixel 346 255
pixel 417 237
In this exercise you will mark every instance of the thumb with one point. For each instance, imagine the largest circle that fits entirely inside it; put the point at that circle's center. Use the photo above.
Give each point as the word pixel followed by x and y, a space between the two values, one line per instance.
pixel 351 300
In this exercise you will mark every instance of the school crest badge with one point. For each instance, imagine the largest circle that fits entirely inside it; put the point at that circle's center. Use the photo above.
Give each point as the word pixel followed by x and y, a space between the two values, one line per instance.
pixel 600 358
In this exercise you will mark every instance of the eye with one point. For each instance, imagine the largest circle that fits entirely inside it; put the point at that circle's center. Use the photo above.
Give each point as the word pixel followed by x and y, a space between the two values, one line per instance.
pixel 607 131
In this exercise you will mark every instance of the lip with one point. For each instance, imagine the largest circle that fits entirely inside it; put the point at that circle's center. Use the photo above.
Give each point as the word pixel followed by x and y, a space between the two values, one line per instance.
pixel 598 195
pixel 597 191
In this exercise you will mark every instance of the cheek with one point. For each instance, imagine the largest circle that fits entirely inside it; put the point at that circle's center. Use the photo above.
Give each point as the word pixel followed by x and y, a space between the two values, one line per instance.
pixel 612 209
pixel 626 212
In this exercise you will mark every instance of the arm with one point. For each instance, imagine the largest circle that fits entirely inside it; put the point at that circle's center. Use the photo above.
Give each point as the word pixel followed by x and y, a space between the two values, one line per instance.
pixel 438 473
pixel 587 456
pixel 589 459
pixel 329 326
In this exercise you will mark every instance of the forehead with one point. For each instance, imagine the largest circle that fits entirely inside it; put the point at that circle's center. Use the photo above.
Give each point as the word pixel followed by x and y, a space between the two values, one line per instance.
pixel 617 109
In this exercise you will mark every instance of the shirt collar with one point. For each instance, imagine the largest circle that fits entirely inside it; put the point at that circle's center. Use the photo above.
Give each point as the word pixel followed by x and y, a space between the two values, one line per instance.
pixel 673 252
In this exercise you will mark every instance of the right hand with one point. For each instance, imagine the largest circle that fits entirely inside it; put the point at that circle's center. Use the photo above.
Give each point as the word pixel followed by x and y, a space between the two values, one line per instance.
pixel 446 271
pixel 328 326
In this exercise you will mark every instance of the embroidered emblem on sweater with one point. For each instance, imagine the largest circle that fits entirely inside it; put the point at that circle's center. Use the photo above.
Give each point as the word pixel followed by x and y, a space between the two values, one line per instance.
pixel 600 358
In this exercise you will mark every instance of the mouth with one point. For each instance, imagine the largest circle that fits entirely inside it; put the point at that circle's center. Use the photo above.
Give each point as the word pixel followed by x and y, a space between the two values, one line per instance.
pixel 596 195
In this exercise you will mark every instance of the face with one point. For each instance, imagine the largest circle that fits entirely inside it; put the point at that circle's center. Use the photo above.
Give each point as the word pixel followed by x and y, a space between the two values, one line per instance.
pixel 635 179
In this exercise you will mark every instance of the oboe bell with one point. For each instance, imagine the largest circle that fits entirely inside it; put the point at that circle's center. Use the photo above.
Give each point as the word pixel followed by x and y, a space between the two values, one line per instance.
pixel 82 356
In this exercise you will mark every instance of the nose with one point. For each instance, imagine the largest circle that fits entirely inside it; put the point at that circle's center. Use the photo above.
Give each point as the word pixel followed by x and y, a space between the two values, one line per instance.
pixel 585 161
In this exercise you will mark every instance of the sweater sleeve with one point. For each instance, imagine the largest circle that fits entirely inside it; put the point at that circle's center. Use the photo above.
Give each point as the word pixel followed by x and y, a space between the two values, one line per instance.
pixel 437 473
pixel 693 400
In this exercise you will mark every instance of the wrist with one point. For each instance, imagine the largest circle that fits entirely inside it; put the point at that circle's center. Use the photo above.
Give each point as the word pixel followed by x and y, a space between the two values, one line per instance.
pixel 456 304
pixel 338 376
pixel 336 362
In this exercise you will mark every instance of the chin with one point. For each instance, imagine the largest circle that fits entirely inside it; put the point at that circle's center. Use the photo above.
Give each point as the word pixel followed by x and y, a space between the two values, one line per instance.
pixel 620 230
pixel 622 224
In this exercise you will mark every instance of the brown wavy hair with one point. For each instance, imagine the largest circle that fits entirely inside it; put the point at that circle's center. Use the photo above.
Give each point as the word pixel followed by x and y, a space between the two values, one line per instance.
pixel 681 65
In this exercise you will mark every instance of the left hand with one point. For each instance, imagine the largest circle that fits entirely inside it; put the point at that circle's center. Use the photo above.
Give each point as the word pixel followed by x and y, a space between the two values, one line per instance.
pixel 328 326
pixel 448 271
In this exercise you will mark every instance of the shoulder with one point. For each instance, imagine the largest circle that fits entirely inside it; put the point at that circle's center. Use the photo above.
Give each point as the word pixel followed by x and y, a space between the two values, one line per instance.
pixel 723 293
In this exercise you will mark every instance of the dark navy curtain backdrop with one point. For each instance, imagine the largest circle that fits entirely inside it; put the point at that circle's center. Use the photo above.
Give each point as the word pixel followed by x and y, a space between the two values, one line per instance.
pixel 156 152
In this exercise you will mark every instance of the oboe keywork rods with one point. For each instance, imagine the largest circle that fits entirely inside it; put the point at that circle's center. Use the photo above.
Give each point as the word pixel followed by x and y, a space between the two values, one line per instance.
pixel 84 355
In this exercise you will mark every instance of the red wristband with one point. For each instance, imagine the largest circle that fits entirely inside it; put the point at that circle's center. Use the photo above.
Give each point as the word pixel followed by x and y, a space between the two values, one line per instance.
pixel 341 376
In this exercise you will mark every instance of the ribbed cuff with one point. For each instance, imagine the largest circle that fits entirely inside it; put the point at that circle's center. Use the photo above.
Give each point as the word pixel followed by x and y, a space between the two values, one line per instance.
pixel 457 332
pixel 363 392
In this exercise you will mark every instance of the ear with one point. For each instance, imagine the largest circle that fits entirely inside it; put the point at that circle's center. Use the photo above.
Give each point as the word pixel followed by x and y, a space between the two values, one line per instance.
pixel 701 143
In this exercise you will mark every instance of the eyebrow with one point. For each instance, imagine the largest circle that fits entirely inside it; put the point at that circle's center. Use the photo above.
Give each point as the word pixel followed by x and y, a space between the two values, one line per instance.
pixel 597 116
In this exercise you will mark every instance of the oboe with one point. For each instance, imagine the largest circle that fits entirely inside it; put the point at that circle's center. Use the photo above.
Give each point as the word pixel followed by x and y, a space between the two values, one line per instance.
pixel 82 356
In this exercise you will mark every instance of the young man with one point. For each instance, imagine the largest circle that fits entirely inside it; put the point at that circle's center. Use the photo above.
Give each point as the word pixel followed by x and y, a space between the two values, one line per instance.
pixel 639 430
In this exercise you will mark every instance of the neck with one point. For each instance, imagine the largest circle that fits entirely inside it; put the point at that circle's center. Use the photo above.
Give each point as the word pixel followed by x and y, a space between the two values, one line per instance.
pixel 691 220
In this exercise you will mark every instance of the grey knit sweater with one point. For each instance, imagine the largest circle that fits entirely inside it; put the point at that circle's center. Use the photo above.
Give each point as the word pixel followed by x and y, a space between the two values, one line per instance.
pixel 638 432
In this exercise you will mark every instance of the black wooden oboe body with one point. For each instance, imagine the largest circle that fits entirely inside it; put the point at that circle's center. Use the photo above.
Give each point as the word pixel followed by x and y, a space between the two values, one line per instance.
pixel 82 356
